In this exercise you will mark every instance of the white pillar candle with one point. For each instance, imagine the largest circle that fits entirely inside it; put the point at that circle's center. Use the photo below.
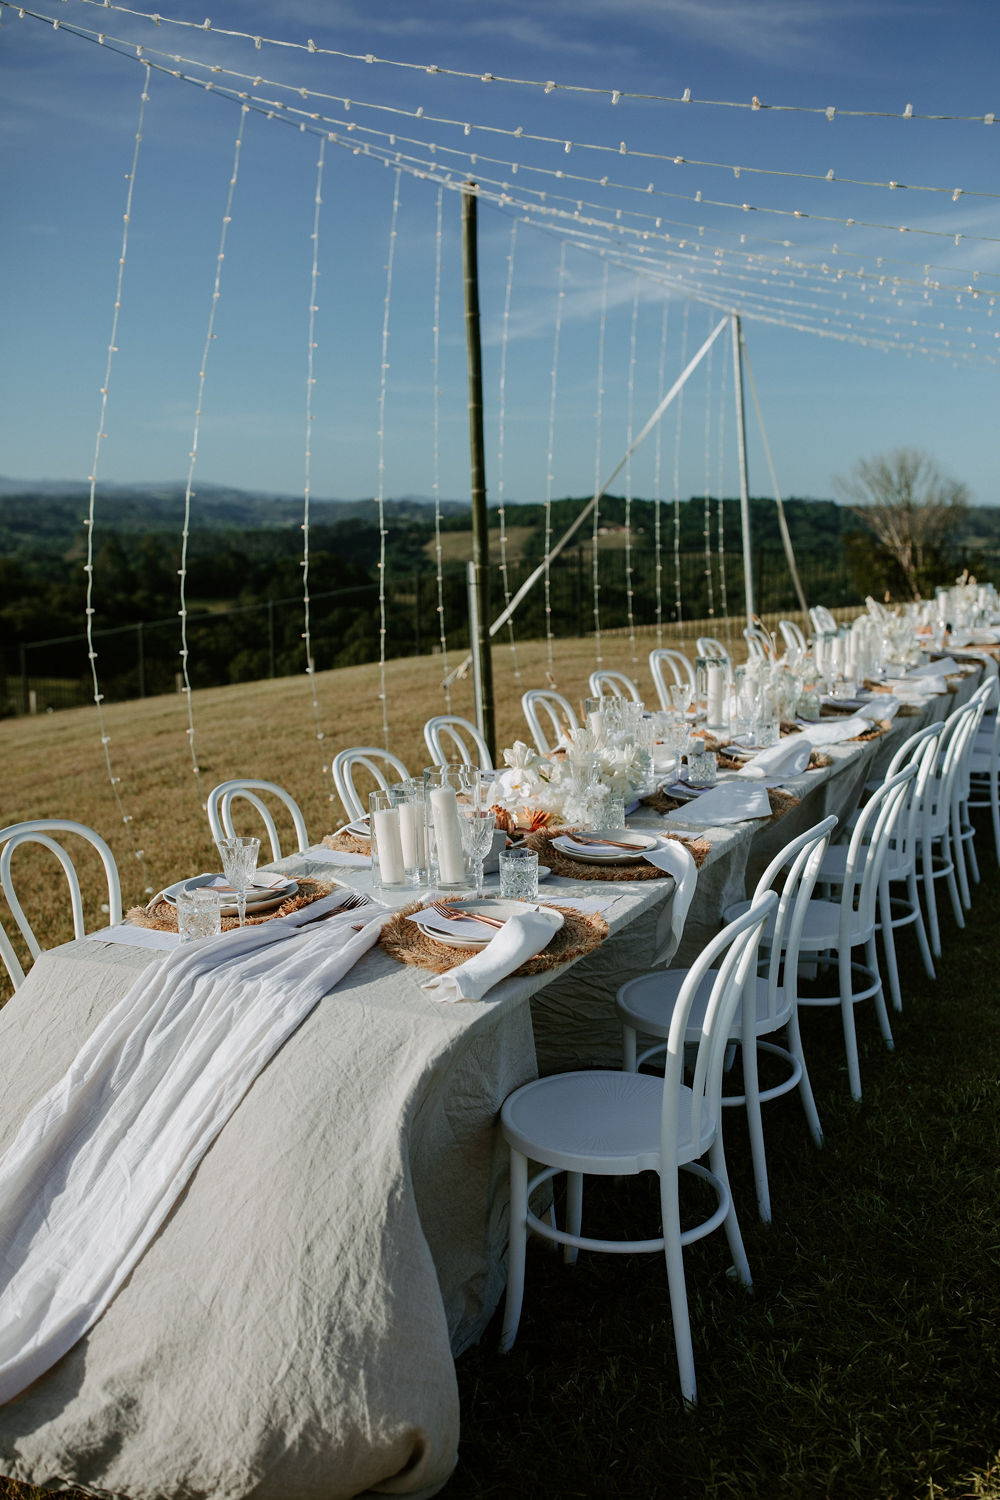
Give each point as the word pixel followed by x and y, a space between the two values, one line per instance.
pixel 411 832
pixel 715 690
pixel 385 825
pixel 595 723
pixel 448 833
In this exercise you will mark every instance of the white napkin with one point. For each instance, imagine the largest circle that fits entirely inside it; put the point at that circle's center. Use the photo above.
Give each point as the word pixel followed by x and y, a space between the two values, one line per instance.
pixel 519 939
pixel 943 668
pixel 136 937
pixel 322 855
pixel 103 1156
pixel 909 689
pixel 731 802
pixel 882 706
pixel 833 731
pixel 262 881
pixel 789 758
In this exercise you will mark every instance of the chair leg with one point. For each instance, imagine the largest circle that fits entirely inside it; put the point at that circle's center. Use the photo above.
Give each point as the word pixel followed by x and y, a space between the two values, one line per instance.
pixel 953 891
pixel 847 1020
pixel 958 860
pixel 913 897
pixel 970 847
pixel 871 956
pixel 517 1240
pixel 731 1224
pixel 673 1252
pixel 930 894
pixel 629 1049
pixel 889 943
pixel 805 1087
pixel 574 1213
pixel 995 810
pixel 755 1126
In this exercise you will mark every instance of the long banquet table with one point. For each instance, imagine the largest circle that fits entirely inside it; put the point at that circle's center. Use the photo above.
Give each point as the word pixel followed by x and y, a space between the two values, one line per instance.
pixel 292 1329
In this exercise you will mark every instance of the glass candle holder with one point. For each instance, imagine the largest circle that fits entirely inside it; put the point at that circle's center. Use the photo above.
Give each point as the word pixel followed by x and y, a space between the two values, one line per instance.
pixel 446 859
pixel 388 868
pixel 710 687
pixel 409 797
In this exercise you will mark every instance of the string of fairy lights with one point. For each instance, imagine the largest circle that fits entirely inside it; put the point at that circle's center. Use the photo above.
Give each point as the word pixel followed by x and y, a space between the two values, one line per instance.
pixel 781 281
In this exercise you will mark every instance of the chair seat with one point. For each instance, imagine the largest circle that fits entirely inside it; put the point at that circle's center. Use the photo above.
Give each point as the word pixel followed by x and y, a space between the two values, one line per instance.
pixel 600 1122
pixel 834 865
pixel 820 930
pixel 648 1004
pixel 982 761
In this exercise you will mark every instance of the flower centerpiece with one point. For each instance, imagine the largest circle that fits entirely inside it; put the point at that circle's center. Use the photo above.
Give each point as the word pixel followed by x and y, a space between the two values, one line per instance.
pixel 570 786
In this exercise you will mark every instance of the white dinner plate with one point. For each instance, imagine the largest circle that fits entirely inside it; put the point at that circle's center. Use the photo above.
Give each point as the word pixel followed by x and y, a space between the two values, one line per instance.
pixel 360 828
pixel 258 900
pixel 641 843
pixel 471 934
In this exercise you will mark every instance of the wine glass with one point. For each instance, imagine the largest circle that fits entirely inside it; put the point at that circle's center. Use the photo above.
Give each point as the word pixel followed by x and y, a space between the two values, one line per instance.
pixel 239 862
pixel 477 839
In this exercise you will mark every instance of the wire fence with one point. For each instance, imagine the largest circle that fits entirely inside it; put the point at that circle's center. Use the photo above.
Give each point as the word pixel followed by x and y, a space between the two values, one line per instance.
pixel 251 641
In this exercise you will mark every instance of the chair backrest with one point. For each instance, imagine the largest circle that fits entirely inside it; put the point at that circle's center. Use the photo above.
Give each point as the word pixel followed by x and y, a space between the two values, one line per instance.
pixel 793 637
pixel 557 711
pixel 383 767
pixel 220 811
pixel 40 831
pixel 866 853
pixel 801 859
pixel 948 784
pixel 823 622
pixel 733 952
pixel 759 642
pixel 448 737
pixel 613 685
pixel 921 750
pixel 707 645
pixel 665 659
pixel 677 860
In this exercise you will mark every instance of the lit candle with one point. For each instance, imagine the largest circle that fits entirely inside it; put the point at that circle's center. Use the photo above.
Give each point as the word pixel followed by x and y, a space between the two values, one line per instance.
pixel 388 846
pixel 448 833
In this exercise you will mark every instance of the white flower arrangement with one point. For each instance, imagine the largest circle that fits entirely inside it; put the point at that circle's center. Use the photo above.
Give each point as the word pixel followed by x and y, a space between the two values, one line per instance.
pixel 568 789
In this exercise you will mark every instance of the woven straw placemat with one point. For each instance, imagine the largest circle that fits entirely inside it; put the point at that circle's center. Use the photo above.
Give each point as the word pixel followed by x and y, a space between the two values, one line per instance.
pixel 347 843
pixel 880 726
pixel 579 869
pixel 163 917
pixel 404 941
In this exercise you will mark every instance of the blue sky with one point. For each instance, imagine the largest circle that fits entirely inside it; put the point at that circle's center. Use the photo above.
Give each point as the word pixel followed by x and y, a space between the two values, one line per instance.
pixel 68 111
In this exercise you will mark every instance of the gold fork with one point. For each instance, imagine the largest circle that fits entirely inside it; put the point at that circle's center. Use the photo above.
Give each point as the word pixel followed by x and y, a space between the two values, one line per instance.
pixel 578 838
pixel 451 915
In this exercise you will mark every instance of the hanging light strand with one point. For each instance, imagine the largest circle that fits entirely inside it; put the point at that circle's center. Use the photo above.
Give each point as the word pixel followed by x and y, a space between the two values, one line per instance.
pixel 383 387
pixel 114 779
pixel 678 433
pixel 436 441
pixel 613 96
pixel 595 559
pixel 550 467
pixel 502 445
pixel 185 651
pixel 630 425
pixel 661 373
pixel 311 347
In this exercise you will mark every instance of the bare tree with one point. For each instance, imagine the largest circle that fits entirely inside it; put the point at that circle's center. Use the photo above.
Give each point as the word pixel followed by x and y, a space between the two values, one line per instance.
pixel 912 508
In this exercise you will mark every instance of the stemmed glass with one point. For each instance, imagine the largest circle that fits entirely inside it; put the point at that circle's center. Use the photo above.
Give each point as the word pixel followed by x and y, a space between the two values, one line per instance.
pixel 239 862
pixel 477 840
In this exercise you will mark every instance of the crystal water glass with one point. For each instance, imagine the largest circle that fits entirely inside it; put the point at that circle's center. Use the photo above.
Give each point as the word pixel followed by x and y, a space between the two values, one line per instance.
pixel 681 696
pixel 611 814
pixel 477 839
pixel 239 862
pixel 199 914
pixel 702 769
pixel 519 874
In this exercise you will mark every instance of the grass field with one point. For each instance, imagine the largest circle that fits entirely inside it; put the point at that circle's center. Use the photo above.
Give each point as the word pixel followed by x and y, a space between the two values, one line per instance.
pixel 866 1365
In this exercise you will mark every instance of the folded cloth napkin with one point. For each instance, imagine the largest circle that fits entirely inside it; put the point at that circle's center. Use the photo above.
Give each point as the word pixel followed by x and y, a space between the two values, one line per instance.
pixel 910 689
pixel 731 802
pixel 882 706
pixel 104 1155
pixel 323 855
pixel 975 638
pixel 833 731
pixel 263 880
pixel 135 937
pixel 789 758
pixel 518 939
pixel 942 668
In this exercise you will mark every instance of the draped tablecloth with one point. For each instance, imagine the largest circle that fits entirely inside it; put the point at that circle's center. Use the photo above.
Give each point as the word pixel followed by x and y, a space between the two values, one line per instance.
pixel 290 1333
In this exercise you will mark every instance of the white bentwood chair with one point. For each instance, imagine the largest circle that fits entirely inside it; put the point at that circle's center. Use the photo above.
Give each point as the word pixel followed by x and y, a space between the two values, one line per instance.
pixel 793 637
pixel 646 1005
pixel 708 645
pixel 449 737
pixel 559 714
pixel 383 767
pixel 40 831
pixel 823 622
pixel 610 1124
pixel 220 811
pixel 760 643
pixel 613 685
pixel 984 769
pixel 663 659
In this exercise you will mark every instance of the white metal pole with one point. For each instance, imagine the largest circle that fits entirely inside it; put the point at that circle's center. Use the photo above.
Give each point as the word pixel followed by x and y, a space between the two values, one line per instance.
pixel 741 440
pixel 472 583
